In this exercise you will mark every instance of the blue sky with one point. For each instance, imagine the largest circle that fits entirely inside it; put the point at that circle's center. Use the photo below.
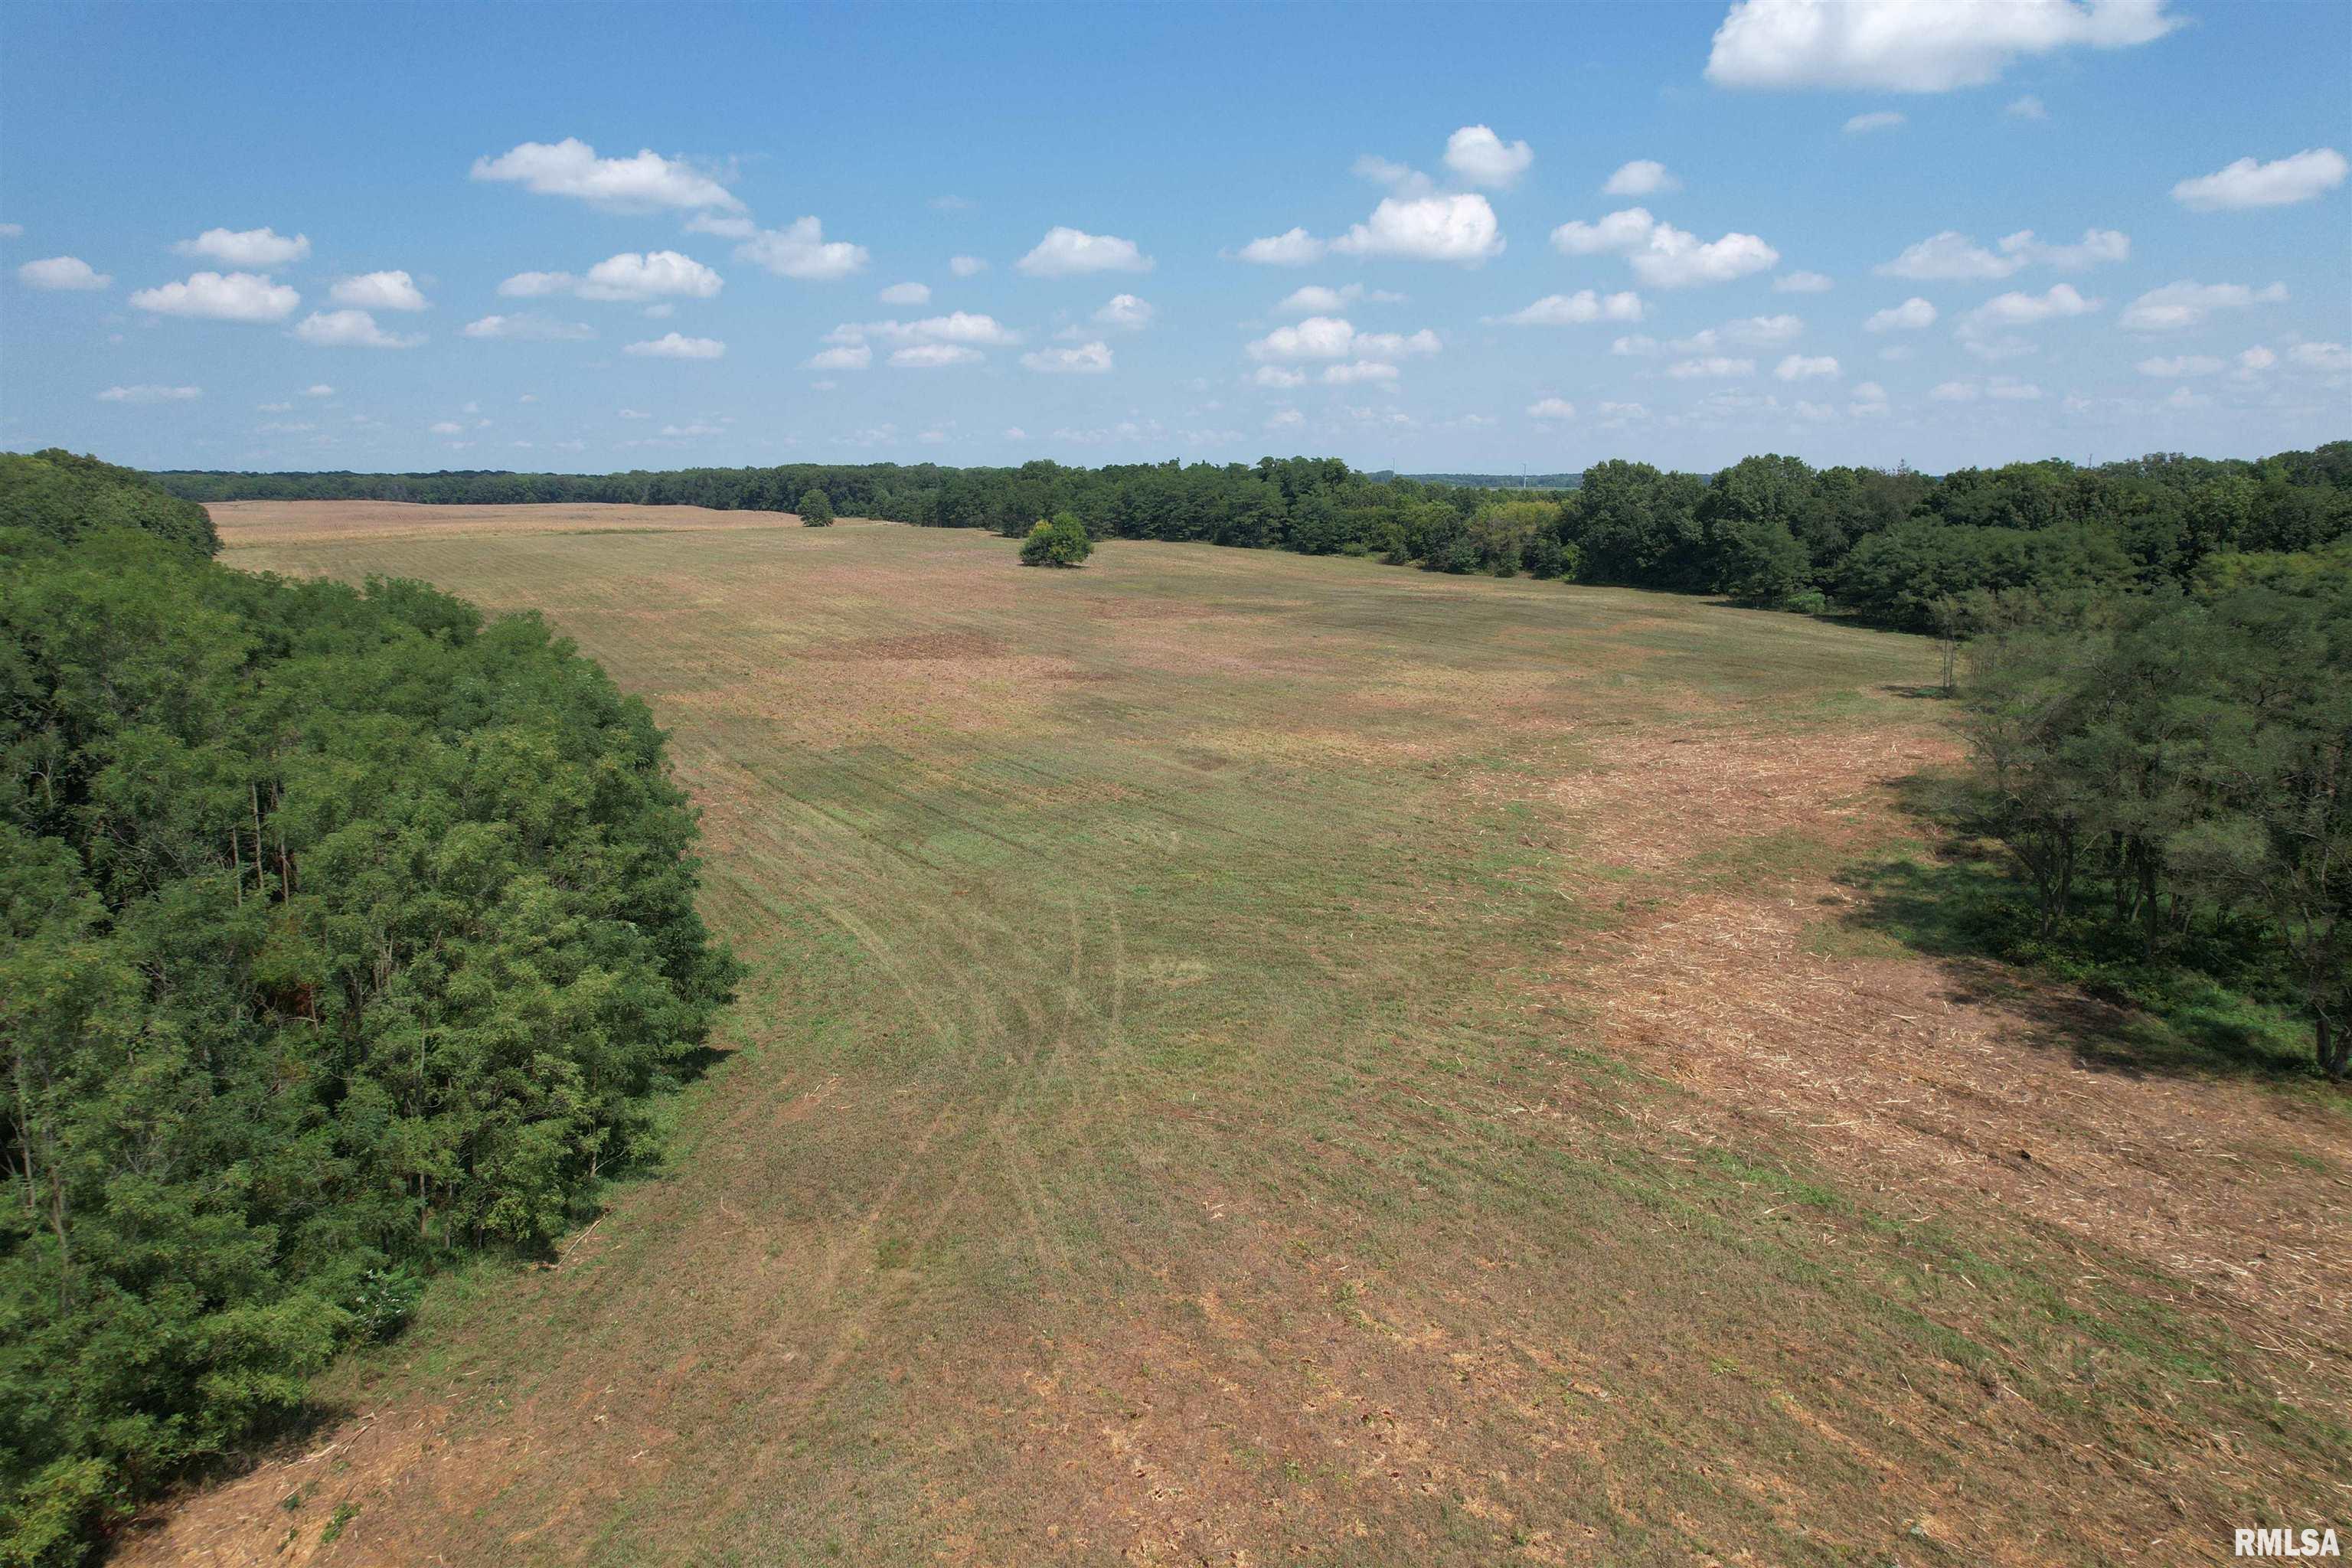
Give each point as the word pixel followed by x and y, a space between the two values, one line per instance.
pixel 1938 231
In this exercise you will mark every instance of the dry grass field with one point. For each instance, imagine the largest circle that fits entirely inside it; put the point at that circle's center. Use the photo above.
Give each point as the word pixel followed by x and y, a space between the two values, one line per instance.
pixel 1252 1060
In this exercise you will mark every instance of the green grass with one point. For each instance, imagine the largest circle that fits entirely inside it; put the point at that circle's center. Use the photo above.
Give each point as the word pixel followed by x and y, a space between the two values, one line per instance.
pixel 1156 1127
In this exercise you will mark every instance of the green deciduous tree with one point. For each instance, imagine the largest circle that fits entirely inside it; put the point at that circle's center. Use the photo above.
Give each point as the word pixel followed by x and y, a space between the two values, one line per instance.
pixel 1062 541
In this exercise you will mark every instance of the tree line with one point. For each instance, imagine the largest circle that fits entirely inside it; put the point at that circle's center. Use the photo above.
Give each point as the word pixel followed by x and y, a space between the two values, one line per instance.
pixel 2170 774
pixel 1883 545
pixel 343 932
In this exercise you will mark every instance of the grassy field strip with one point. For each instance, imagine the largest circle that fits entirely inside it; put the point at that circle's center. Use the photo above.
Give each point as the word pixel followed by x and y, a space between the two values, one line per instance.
pixel 1167 1122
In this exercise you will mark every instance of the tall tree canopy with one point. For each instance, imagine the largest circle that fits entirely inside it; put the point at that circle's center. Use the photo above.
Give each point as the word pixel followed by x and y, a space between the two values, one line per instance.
pixel 340 932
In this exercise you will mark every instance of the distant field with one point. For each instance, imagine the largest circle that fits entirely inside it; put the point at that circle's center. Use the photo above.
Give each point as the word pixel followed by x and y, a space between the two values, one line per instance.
pixel 1255 1059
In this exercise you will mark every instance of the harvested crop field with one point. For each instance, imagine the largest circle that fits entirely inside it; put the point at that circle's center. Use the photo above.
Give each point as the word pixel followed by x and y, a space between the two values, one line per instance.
pixel 1256 1059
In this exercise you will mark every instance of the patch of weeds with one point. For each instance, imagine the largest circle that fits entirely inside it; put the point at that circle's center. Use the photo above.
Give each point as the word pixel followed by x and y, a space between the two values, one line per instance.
pixel 344 1513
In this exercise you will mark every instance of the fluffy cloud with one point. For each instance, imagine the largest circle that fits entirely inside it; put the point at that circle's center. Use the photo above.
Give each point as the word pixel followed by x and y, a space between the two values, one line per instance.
pixel 670 345
pixel 62 272
pixel 1662 255
pixel 654 275
pixel 1558 408
pixel 1317 337
pixel 847 356
pixel 645 183
pixel 1275 375
pixel 378 291
pixel 529 328
pixel 1334 338
pixel 2282 183
pixel 1575 309
pixel 251 248
pixel 1362 370
pixel 149 393
pixel 1124 312
pixel 1292 247
pixel 2179 366
pixel 318 389
pixel 2017 309
pixel 349 330
pixel 906 294
pixel 966 265
pixel 221 297
pixel 1396 345
pixel 628 277
pixel 2177 307
pixel 1316 299
pixel 1091 359
pixel 966 327
pixel 934 356
pixel 1642 177
pixel 1908 317
pixel 1801 283
pixel 1877 120
pixel 1953 256
pixel 1483 158
pixel 2330 357
pixel 1712 368
pixel 1914 45
pixel 800 250
pixel 1460 228
pixel 1751 331
pixel 1070 252
pixel 1798 367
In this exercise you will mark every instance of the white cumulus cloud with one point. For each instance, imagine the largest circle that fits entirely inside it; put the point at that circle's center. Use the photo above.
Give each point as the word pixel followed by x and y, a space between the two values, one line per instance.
pixel 800 250
pixel 529 328
pixel 1914 45
pixel 1292 247
pixel 1069 252
pixel 1662 255
pixel 934 356
pixel 62 272
pixel 1576 309
pixel 2281 182
pixel 259 249
pixel 1483 158
pixel 1908 317
pixel 1799 367
pixel 1124 312
pixel 645 183
pixel 1801 283
pixel 1642 177
pixel 1558 408
pixel 966 265
pixel 672 345
pixel 1460 228
pixel 349 330
pixel 906 294
pixel 1090 359
pixel 2177 307
pixel 221 297
pixel 378 291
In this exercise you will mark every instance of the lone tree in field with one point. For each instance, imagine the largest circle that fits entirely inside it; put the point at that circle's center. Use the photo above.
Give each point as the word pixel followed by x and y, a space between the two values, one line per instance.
pixel 1061 543
pixel 816 509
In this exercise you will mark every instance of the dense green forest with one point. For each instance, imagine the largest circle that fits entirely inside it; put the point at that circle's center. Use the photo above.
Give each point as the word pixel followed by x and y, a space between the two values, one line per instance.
pixel 1887 546
pixel 341 934
pixel 2170 776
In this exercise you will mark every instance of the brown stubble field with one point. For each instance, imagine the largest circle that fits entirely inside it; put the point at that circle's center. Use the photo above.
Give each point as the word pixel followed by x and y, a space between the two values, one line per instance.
pixel 1255 1059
